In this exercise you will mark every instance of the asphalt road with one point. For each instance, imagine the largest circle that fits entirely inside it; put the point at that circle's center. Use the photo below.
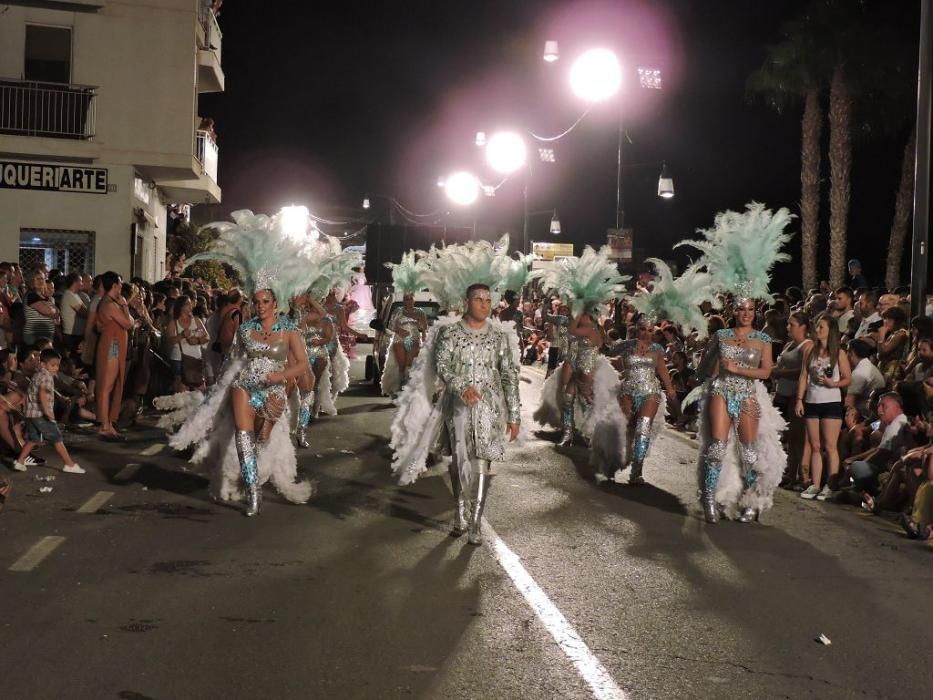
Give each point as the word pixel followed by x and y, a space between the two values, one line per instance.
pixel 154 592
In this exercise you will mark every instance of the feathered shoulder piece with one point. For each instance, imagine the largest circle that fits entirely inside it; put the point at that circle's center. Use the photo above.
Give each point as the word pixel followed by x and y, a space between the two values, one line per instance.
pixel 406 275
pixel 740 249
pixel 586 283
pixel 256 246
pixel 518 273
pixel 677 300
pixel 448 271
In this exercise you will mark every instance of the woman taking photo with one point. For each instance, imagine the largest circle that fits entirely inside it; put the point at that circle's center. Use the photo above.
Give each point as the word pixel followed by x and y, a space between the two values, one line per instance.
pixel 787 374
pixel 824 372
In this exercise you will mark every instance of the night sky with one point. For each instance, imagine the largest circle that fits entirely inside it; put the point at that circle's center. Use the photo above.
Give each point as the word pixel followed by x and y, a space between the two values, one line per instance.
pixel 326 102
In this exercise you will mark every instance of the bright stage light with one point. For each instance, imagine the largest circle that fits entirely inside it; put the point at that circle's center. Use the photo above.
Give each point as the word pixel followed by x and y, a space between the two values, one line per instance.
pixel 297 224
pixel 506 152
pixel 462 188
pixel 596 75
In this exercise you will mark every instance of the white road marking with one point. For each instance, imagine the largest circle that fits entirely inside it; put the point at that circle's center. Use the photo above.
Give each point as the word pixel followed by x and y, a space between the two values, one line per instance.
pixel 128 472
pixel 153 450
pixel 96 501
pixel 39 551
pixel 588 666
pixel 571 643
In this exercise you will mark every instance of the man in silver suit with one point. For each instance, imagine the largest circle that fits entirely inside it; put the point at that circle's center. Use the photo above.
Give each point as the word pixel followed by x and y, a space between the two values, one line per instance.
pixel 474 360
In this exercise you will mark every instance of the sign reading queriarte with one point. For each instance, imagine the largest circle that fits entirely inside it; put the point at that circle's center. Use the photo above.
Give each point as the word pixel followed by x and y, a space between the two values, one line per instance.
pixel 52 178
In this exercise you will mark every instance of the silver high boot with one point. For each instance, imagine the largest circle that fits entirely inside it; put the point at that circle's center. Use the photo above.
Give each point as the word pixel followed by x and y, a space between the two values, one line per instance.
pixel 566 420
pixel 640 449
pixel 481 484
pixel 304 417
pixel 749 464
pixel 246 453
pixel 711 468
pixel 460 520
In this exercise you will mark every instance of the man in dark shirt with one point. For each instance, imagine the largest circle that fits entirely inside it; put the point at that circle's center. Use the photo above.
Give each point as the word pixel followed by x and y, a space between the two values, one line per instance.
pixel 855 271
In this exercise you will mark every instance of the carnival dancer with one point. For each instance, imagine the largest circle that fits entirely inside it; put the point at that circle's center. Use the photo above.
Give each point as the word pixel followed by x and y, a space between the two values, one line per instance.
pixel 558 325
pixel 408 324
pixel 462 399
pixel 583 390
pixel 238 427
pixel 741 457
pixel 644 370
pixel 318 332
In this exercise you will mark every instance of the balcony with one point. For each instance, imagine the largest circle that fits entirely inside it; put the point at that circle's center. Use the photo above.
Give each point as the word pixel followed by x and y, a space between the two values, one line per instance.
pixel 204 188
pixel 210 40
pixel 51 110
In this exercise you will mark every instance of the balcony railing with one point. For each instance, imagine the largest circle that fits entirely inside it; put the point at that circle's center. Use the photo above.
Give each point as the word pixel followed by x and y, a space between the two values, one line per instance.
pixel 54 110
pixel 206 151
pixel 213 37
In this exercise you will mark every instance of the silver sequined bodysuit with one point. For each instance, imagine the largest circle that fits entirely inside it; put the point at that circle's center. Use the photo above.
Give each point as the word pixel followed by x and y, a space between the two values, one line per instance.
pixel 738 392
pixel 480 358
pixel 640 378
pixel 261 359
pixel 561 331
pixel 412 326
pixel 315 351
pixel 582 356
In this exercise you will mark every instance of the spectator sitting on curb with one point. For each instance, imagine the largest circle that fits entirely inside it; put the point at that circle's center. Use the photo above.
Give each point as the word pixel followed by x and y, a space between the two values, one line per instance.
pixel 865 468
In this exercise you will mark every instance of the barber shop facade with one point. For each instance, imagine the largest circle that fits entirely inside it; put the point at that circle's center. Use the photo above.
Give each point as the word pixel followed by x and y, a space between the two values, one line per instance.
pixel 81 218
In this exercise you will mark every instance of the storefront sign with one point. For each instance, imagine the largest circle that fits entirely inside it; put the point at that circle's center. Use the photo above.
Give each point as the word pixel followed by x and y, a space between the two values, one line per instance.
pixel 52 178
pixel 620 244
pixel 543 250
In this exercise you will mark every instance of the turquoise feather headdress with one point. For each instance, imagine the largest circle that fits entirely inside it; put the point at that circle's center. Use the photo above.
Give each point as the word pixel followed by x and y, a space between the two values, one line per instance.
pixel 677 300
pixel 448 271
pixel 518 273
pixel 256 246
pixel 741 248
pixel 586 283
pixel 406 275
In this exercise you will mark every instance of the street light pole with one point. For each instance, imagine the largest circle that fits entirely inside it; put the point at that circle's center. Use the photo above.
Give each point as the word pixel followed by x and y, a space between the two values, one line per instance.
pixel 620 207
pixel 525 213
pixel 921 232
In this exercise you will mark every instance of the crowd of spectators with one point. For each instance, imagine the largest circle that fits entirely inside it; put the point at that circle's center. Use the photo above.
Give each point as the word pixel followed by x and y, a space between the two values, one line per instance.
pixel 853 378
pixel 105 346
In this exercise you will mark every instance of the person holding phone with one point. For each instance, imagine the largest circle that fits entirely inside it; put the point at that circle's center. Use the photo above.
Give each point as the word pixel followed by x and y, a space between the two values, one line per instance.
pixel 823 374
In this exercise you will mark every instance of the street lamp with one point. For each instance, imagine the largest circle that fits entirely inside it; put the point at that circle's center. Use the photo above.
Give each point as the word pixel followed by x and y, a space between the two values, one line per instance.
pixel 596 75
pixel 551 52
pixel 665 183
pixel 555 224
pixel 462 188
pixel 365 202
pixel 506 152
pixel 296 222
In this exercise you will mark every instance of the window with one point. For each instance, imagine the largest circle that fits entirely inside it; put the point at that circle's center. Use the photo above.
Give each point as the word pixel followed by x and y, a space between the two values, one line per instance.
pixel 48 54
pixel 68 251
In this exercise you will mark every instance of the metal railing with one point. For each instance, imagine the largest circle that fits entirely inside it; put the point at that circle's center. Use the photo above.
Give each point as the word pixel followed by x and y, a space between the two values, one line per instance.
pixel 54 110
pixel 213 37
pixel 207 153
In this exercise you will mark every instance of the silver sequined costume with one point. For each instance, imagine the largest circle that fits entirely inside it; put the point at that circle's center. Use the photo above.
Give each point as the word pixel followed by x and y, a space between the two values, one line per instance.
pixel 315 351
pixel 561 326
pixel 263 358
pixel 582 356
pixel 480 358
pixel 640 378
pixel 401 321
pixel 738 392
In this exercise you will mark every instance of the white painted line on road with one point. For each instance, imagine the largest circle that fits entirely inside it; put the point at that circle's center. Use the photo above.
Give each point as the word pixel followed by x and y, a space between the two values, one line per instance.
pixel 39 551
pixel 96 501
pixel 153 450
pixel 128 472
pixel 588 666
pixel 571 643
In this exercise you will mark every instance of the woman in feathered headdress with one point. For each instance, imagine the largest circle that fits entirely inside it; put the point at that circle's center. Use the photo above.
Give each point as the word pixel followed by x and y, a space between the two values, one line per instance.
pixel 741 458
pixel 408 324
pixel 644 369
pixel 340 271
pixel 585 284
pixel 238 426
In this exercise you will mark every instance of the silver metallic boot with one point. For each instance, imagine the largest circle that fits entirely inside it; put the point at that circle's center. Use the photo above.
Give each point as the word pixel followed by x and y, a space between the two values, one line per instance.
pixel 640 449
pixel 246 452
pixel 304 417
pixel 460 519
pixel 566 420
pixel 749 463
pixel 711 468
pixel 481 480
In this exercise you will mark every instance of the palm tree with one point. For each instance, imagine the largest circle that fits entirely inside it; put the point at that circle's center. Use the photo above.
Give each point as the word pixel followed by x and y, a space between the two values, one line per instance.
pixel 903 208
pixel 792 71
pixel 840 168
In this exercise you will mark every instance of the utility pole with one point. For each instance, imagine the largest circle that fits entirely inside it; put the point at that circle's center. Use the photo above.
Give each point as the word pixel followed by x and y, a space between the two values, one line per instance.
pixel 921 232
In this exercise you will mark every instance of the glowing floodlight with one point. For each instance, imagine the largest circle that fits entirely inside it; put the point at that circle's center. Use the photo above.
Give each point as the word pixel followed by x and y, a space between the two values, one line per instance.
pixel 596 75
pixel 296 222
pixel 665 183
pixel 462 188
pixel 506 152
pixel 551 52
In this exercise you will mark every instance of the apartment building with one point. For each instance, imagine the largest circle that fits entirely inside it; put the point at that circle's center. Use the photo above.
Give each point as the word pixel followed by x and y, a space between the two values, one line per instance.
pixel 99 129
